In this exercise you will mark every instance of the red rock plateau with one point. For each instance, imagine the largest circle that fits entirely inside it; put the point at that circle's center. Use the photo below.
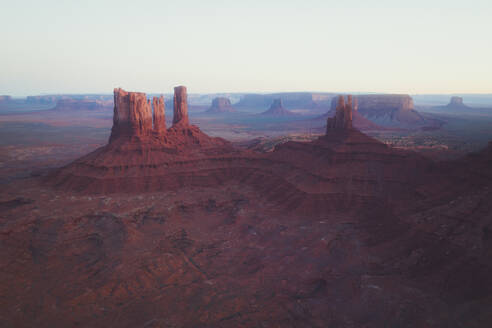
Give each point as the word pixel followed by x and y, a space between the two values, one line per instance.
pixel 172 228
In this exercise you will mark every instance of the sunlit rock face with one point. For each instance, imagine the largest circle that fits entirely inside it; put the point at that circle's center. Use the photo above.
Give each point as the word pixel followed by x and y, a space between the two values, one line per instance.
pixel 132 115
pixel 159 115
pixel 180 106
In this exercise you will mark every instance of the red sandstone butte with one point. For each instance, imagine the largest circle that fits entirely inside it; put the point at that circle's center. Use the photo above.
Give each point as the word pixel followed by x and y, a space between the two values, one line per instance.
pixel 132 115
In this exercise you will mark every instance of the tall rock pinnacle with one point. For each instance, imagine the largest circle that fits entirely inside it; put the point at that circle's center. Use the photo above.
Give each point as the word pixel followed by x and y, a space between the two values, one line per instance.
pixel 343 115
pixel 132 114
pixel 180 106
pixel 159 115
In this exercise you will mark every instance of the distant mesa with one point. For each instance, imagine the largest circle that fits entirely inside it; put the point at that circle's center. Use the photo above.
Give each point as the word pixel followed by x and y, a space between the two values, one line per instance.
pixel 277 109
pixel 82 104
pixel 5 99
pixel 42 100
pixel 221 105
pixel 388 110
pixel 456 103
pixel 290 100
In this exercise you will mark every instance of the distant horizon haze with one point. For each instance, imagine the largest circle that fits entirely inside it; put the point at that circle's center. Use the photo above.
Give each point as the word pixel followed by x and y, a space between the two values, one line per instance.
pixel 419 47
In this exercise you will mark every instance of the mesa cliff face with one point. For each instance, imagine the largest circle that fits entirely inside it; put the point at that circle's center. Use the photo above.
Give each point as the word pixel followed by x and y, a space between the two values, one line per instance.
pixel 456 103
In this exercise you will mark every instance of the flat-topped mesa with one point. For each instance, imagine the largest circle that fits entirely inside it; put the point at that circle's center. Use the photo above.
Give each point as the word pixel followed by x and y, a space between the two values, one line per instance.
pixel 180 116
pixel 221 105
pixel 159 115
pixel 132 115
pixel 343 116
pixel 457 103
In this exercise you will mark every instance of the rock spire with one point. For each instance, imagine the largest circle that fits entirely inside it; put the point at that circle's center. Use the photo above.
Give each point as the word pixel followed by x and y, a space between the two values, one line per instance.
pixel 180 115
pixel 343 116
pixel 159 115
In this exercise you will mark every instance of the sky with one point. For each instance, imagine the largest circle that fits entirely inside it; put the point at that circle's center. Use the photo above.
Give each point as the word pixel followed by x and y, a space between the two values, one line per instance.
pixel 87 46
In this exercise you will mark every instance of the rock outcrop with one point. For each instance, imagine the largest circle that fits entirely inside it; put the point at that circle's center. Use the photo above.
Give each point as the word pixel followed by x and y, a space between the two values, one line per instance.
pixel 221 105
pixel 180 106
pixel 343 115
pixel 456 103
pixel 277 109
pixel 159 115
pixel 132 115
pixel 388 110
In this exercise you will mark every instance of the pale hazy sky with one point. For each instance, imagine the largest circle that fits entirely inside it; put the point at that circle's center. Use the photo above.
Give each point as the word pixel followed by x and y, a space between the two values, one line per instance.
pixel 413 46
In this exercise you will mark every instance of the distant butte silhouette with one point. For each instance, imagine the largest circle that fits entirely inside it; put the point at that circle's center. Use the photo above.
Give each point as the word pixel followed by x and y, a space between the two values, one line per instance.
pixel 277 109
pixel 221 105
